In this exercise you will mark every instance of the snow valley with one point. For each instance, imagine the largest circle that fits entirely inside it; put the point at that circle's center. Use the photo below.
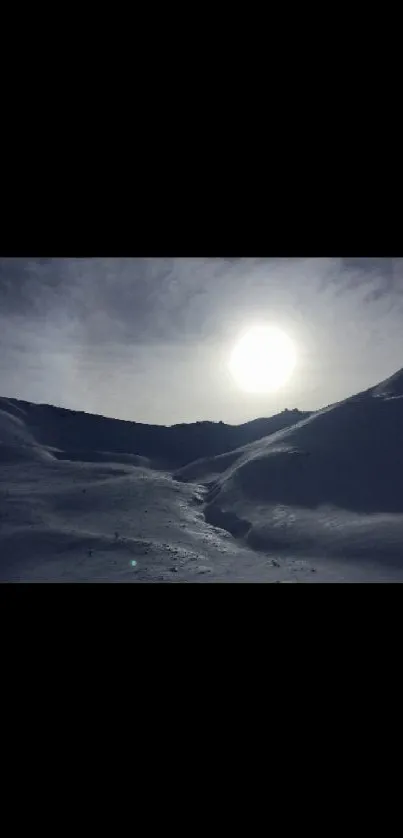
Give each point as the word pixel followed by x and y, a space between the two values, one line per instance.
pixel 295 497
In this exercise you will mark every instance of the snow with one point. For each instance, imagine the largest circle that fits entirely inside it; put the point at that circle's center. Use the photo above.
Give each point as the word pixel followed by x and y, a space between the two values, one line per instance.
pixel 83 513
pixel 86 522
pixel 83 498
pixel 392 387
pixel 330 487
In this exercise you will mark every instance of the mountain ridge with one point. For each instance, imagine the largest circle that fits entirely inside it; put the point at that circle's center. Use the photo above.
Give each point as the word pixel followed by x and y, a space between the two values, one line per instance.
pixel 65 432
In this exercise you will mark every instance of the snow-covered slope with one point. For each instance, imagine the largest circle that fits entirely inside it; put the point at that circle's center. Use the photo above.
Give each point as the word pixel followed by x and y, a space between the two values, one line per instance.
pixel 79 500
pixel 392 387
pixel 17 443
pixel 331 485
pixel 70 434
pixel 319 498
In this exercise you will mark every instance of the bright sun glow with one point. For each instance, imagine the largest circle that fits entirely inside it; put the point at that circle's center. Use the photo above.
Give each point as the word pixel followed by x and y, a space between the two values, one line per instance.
pixel 262 360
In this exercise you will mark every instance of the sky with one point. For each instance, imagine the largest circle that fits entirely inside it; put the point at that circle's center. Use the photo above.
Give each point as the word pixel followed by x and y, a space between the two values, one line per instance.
pixel 149 339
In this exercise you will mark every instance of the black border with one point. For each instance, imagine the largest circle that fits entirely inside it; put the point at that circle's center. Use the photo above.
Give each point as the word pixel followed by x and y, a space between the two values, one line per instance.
pixel 306 645
pixel 210 231
pixel 140 606
pixel 170 205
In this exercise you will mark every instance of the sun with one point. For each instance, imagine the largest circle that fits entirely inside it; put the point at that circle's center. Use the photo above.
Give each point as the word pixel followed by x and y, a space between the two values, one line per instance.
pixel 262 360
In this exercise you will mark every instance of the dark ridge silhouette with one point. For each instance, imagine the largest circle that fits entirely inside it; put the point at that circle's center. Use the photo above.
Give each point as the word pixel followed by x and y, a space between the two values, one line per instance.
pixel 71 434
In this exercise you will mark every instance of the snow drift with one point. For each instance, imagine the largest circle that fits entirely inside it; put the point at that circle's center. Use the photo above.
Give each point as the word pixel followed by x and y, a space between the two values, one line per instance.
pixel 330 485
pixel 17 443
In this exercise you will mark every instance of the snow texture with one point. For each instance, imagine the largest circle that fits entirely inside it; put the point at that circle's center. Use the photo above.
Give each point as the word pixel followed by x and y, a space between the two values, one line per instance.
pixel 297 497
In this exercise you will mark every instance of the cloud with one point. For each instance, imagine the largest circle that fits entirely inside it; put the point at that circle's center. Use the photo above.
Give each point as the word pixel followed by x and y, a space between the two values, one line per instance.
pixel 175 300
pixel 380 277
pixel 150 331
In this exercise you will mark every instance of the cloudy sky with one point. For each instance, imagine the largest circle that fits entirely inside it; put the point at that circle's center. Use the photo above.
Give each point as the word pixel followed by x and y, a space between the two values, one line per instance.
pixel 149 339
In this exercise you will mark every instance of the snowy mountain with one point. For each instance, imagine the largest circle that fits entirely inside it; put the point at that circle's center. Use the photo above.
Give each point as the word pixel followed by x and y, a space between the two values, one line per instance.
pixel 296 497
pixel 392 387
pixel 88 498
pixel 329 486
pixel 69 434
